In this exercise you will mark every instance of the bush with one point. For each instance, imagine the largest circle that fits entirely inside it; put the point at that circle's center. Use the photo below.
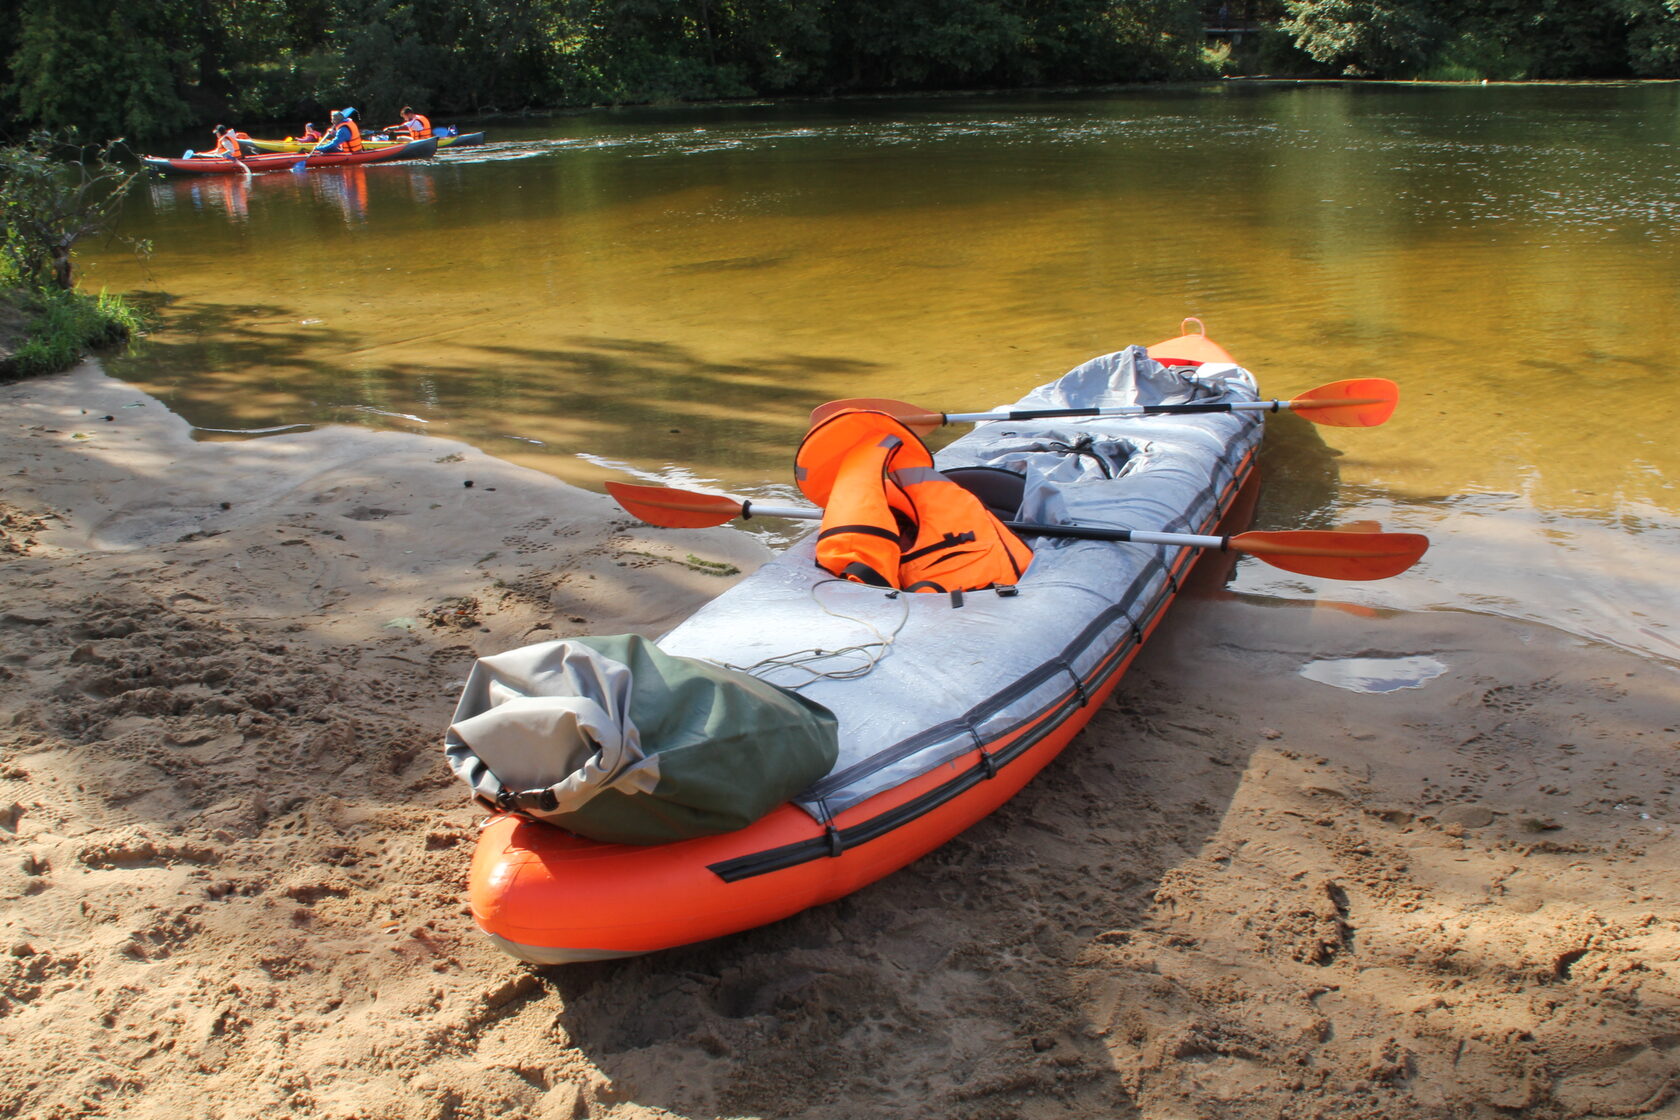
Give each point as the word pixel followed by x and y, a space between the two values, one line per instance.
pixel 1365 38
pixel 1271 50
pixel 1471 57
pixel 53 192
pixel 63 326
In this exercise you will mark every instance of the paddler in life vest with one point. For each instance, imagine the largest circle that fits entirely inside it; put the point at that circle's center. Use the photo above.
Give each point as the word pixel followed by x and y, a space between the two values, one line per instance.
pixel 310 132
pixel 416 124
pixel 344 135
pixel 227 143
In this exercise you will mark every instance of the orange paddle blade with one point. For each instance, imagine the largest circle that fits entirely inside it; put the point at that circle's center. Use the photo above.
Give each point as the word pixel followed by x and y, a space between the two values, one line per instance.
pixel 914 417
pixel 1316 552
pixel 1359 402
pixel 674 509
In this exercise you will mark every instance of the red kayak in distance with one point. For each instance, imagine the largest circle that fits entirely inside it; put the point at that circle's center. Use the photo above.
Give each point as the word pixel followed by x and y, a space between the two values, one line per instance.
pixel 286 161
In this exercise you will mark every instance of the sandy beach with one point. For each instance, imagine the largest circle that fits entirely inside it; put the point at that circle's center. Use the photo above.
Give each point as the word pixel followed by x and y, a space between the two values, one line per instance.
pixel 233 860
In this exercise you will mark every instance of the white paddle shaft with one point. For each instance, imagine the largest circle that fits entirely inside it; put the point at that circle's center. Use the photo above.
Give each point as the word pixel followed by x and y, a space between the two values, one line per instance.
pixel 1025 528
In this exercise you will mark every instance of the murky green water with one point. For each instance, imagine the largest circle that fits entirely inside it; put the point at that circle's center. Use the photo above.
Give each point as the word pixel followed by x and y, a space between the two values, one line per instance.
pixel 670 292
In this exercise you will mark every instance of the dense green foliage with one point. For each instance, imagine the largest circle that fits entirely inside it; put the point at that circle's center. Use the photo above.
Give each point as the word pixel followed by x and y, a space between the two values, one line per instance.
pixel 147 68
pixel 1498 39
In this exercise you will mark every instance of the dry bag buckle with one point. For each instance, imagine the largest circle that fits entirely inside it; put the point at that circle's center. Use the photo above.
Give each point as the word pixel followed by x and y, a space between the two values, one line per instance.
pixel 523 801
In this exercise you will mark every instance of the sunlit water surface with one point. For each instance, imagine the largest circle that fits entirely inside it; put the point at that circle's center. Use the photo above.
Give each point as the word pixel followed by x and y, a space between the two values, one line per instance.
pixel 668 293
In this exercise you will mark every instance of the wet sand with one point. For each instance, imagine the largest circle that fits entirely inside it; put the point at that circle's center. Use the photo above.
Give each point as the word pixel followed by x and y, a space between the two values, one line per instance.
pixel 232 858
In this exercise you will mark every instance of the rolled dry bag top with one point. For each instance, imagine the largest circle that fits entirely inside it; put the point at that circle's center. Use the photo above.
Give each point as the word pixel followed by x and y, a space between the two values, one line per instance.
pixel 618 741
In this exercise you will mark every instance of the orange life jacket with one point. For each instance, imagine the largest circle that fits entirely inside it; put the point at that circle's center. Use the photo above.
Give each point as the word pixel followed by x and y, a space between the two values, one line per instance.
pixel 890 519
pixel 354 144
pixel 228 145
pixel 960 545
pixel 420 126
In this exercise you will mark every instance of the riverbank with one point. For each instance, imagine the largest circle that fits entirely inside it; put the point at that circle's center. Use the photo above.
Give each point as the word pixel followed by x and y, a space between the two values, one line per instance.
pixel 47 332
pixel 232 857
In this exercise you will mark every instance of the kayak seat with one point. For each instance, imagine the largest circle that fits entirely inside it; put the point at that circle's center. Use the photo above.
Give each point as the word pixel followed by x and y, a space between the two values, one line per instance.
pixel 999 490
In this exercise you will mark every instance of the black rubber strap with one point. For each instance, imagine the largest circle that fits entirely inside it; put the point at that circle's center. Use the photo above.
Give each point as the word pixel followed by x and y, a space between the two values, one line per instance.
pixel 860 530
pixel 863 573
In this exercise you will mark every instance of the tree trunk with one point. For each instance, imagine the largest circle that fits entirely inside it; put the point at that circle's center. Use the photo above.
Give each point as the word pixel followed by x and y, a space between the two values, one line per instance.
pixel 61 267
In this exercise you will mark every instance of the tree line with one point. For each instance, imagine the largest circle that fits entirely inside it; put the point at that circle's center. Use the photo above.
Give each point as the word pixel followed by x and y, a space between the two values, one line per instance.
pixel 149 68
pixel 1502 40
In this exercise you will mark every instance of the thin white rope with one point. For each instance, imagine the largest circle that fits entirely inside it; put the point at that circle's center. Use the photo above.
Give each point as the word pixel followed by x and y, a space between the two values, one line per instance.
pixel 865 655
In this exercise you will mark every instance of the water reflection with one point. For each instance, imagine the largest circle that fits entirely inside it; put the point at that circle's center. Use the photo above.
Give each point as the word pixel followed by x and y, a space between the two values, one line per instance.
pixel 345 190
pixel 228 196
pixel 420 189
pixel 1374 674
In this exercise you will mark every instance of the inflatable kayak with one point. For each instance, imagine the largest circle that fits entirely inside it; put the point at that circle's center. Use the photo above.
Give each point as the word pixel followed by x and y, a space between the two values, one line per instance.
pixel 221 165
pixel 260 147
pixel 971 694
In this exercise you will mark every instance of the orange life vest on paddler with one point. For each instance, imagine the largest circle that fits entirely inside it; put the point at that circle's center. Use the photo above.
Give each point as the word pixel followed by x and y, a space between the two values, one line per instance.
pixel 354 144
pixel 890 519
pixel 419 126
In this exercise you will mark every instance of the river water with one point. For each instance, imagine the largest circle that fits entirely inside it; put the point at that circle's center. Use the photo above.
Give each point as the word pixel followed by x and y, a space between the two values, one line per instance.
pixel 669 292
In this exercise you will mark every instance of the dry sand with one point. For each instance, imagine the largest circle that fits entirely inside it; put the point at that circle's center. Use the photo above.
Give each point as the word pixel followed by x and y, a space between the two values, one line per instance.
pixel 232 859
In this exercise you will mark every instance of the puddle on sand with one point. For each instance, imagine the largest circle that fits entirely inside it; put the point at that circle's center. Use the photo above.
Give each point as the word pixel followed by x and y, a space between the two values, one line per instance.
pixel 1374 674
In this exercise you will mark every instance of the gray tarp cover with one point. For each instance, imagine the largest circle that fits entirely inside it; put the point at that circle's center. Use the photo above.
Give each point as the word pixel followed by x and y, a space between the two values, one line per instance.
pixel 614 739
pixel 957 675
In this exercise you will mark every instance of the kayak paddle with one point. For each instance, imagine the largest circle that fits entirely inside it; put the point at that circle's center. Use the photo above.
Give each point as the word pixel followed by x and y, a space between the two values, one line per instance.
pixel 1360 554
pixel 1360 402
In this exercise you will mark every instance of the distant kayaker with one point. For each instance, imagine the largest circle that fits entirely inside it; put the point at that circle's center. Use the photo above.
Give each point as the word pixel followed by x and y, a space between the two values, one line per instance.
pixel 418 125
pixel 227 143
pixel 344 135
pixel 310 132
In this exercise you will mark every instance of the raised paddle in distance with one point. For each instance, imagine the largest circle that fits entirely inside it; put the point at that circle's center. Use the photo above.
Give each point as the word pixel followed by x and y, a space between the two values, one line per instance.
pixel 1309 552
pixel 1360 402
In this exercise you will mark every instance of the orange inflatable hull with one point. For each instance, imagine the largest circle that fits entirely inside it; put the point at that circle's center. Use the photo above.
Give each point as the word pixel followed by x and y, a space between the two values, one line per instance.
pixel 550 897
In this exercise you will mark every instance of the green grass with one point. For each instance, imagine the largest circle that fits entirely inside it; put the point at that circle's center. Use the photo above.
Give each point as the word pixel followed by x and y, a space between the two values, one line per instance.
pixel 63 326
